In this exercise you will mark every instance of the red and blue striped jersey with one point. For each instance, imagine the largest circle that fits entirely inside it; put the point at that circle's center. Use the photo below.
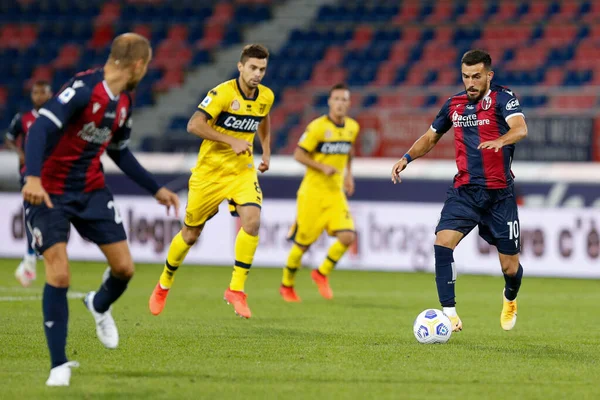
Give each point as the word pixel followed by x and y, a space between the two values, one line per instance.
pixel 475 123
pixel 18 129
pixel 89 119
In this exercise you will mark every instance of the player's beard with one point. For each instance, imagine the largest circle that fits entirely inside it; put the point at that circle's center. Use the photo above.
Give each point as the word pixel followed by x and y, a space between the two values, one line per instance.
pixel 478 96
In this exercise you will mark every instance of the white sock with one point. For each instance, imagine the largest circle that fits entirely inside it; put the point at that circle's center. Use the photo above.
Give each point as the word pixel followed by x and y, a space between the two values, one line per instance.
pixel 450 311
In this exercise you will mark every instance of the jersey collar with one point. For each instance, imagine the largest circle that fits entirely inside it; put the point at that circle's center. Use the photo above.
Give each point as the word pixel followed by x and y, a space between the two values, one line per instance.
pixel 35 113
pixel 338 125
pixel 237 82
pixel 108 92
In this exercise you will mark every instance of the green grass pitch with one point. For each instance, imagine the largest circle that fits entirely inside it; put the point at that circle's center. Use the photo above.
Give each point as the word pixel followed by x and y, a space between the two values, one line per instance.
pixel 358 346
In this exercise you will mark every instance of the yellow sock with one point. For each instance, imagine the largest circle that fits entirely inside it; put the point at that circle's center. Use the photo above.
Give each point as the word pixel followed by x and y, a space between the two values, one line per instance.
pixel 177 252
pixel 293 264
pixel 336 251
pixel 245 247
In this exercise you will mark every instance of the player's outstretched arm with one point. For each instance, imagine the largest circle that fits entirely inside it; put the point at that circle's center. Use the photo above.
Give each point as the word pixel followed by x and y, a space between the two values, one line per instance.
pixel 131 167
pixel 516 133
pixel 422 146
pixel 198 126
pixel 10 138
pixel 264 135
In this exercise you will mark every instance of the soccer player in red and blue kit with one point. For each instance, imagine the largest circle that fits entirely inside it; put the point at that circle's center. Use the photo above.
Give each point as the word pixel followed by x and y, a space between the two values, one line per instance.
pixel 15 140
pixel 65 185
pixel 487 121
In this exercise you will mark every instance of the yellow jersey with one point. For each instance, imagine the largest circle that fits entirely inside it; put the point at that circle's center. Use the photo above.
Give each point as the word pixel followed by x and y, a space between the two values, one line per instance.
pixel 230 112
pixel 330 144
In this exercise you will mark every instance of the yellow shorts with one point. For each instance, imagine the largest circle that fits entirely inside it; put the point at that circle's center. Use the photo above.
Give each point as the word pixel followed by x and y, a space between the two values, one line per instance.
pixel 316 213
pixel 204 197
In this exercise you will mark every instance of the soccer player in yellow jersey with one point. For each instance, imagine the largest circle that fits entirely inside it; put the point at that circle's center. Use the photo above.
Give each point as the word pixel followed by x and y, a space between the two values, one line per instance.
pixel 325 149
pixel 227 120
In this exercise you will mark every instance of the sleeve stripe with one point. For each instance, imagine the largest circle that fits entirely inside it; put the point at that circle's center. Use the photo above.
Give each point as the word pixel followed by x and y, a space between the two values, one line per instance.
pixel 10 136
pixel 48 114
pixel 514 115
pixel 433 129
pixel 208 116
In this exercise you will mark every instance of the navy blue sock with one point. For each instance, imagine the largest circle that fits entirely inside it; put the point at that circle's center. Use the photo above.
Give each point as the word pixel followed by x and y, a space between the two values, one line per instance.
pixel 444 275
pixel 56 319
pixel 513 283
pixel 110 290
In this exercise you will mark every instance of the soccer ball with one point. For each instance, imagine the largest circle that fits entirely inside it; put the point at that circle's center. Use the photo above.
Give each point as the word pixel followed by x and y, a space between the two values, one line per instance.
pixel 432 326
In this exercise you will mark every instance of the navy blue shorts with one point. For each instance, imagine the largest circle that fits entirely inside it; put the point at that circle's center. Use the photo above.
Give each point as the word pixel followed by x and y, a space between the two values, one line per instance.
pixel 93 214
pixel 494 211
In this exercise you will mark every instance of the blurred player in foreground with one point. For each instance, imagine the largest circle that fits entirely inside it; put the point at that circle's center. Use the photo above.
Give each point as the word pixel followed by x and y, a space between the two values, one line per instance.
pixel 487 121
pixel 227 119
pixel 17 131
pixel 65 185
pixel 325 149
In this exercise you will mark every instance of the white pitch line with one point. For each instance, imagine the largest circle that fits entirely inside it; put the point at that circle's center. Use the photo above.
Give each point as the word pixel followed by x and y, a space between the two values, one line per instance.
pixel 72 295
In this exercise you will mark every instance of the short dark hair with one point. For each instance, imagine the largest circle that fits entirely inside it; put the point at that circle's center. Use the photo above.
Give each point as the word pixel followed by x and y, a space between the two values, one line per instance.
pixel 128 48
pixel 338 86
pixel 254 51
pixel 474 57
pixel 42 83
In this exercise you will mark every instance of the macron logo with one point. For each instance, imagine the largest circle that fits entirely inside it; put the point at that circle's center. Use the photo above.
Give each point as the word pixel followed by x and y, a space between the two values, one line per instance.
pixel 77 84
pixel 95 108
pixel 49 324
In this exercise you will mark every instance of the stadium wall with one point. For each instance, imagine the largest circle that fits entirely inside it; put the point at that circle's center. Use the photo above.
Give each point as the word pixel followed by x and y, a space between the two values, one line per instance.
pixel 559 219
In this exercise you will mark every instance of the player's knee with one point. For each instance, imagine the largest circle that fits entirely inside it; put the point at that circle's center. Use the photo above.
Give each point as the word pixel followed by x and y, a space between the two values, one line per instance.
pixel 445 241
pixel 190 235
pixel 510 266
pixel 123 270
pixel 58 275
pixel 346 238
pixel 252 225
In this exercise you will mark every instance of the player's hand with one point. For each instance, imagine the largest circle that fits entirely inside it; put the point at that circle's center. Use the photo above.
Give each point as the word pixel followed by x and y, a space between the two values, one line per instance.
pixel 349 184
pixel 328 170
pixel 397 168
pixel 492 144
pixel 240 146
pixel 265 163
pixel 34 193
pixel 168 198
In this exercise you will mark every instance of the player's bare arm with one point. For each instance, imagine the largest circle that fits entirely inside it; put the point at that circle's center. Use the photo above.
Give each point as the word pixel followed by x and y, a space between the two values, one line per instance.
pixel 422 146
pixel 264 135
pixel 12 145
pixel 517 132
pixel 349 178
pixel 304 158
pixel 198 126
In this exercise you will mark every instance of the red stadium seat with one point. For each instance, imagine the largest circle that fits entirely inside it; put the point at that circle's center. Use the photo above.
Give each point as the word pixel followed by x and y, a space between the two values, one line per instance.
pixel 439 55
pixel 9 36
pixel 385 74
pixel 442 12
pixel 507 12
pixel 3 95
pixel 213 35
pixel 172 78
pixel 474 12
pixel 409 12
pixel 363 35
pixel 400 52
pixel 560 34
pixel 447 77
pixel 554 76
pixel 172 55
pixel 67 56
pixel 333 56
pixel 537 11
pixel 528 58
pixel 27 36
pixel 109 14
pixel 222 13
pixel 102 37
pixel 568 11
pixel 444 33
pixel 592 16
pixel 177 33
pixel 143 30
